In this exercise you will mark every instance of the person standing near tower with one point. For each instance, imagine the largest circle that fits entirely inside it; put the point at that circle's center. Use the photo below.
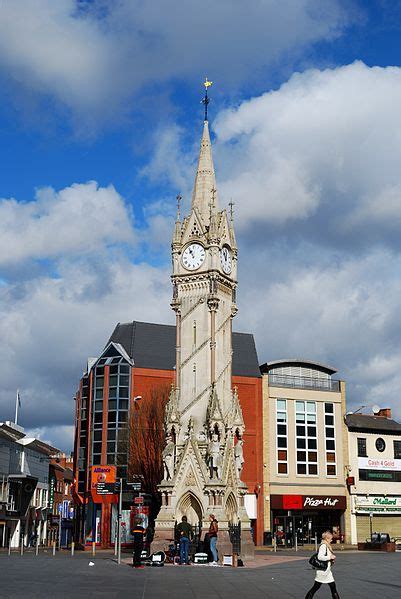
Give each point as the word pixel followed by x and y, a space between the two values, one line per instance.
pixel 213 531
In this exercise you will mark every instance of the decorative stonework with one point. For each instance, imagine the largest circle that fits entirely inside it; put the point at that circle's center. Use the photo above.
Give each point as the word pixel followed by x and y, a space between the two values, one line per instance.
pixel 203 456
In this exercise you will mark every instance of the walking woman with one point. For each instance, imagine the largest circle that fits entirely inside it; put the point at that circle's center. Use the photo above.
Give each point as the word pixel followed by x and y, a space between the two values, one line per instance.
pixel 213 530
pixel 325 554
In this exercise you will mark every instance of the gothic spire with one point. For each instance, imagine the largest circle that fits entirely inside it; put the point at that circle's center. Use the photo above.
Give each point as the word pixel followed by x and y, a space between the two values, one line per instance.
pixel 204 196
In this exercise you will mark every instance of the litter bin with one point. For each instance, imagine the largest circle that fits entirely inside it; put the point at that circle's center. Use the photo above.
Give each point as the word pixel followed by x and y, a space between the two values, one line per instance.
pixel 267 538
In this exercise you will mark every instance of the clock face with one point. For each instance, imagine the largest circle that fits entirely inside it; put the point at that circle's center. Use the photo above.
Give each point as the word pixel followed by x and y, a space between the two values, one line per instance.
pixel 380 444
pixel 225 259
pixel 193 256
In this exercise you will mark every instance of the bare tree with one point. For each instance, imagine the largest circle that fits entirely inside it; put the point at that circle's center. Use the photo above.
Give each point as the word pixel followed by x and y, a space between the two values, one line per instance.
pixel 146 442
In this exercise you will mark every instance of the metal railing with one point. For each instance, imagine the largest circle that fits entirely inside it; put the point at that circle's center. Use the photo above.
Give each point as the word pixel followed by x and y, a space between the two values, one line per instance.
pixel 303 382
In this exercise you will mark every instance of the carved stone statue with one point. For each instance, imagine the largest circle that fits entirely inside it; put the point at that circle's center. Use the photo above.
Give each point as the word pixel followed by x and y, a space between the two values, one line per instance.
pixel 239 456
pixel 168 459
pixel 214 457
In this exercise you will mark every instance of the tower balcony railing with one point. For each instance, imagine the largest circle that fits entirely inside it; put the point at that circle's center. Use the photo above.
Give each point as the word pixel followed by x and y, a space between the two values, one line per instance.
pixel 303 382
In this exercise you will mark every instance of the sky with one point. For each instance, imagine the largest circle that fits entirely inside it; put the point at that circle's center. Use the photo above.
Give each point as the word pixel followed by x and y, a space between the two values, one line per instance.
pixel 100 123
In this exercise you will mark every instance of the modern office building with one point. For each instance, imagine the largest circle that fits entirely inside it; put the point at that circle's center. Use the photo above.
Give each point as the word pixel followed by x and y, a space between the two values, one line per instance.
pixel 304 451
pixel 138 359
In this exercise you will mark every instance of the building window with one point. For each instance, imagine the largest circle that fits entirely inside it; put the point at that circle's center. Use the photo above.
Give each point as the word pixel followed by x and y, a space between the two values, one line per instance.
pixel 397 450
pixel 306 437
pixel 330 440
pixel 362 453
pixel 281 432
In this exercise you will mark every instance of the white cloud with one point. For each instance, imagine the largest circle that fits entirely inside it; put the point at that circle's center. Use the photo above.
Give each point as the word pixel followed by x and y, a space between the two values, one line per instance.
pixel 325 144
pixel 53 325
pixel 78 219
pixel 343 313
pixel 92 56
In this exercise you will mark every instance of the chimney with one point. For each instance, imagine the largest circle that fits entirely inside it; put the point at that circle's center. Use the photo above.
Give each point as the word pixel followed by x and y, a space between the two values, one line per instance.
pixel 384 413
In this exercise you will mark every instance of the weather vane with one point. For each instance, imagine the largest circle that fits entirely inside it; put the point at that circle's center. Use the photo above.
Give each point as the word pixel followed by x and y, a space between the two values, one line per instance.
pixel 231 204
pixel 206 99
pixel 179 198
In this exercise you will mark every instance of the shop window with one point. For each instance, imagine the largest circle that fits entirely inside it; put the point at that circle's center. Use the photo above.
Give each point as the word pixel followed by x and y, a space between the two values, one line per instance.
pixel 397 450
pixel 98 418
pixel 112 404
pixel 96 460
pixel 330 437
pixel 97 436
pixel 111 434
pixel 99 406
pixel 111 458
pixel 362 453
pixel 99 393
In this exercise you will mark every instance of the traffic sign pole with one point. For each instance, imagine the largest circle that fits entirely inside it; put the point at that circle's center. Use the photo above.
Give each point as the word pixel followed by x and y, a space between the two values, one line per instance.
pixel 120 509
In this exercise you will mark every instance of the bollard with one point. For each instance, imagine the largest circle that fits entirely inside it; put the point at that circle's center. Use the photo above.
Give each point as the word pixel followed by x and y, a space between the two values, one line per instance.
pixel 275 545
pixel 22 547
pixel 72 548
pixel 315 542
pixel 296 542
pixel 93 548
pixel 9 548
pixel 54 548
pixel 37 546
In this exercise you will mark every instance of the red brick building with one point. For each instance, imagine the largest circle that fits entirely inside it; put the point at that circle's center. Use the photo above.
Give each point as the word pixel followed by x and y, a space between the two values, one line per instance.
pixel 139 358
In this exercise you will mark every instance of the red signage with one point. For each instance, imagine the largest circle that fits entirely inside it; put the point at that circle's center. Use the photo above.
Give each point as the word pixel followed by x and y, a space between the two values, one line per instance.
pixel 292 502
pixel 308 502
pixel 102 484
pixel 138 500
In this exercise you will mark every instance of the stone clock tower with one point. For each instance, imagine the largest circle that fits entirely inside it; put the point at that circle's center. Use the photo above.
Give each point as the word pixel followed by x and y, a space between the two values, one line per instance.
pixel 203 456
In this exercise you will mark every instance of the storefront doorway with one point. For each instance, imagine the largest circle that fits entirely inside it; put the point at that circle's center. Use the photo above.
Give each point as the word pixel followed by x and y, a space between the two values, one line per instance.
pixel 306 526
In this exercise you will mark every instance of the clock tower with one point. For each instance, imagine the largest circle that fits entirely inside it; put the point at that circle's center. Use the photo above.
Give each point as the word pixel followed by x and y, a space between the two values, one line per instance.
pixel 203 456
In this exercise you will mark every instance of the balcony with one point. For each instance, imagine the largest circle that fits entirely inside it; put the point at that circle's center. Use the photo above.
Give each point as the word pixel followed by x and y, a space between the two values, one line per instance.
pixel 303 382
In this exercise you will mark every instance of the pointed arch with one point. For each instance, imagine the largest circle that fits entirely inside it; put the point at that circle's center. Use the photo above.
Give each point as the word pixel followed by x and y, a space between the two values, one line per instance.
pixel 232 509
pixel 191 507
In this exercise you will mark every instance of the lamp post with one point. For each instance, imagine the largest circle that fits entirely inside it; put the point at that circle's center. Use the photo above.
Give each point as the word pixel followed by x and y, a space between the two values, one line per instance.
pixel 371 524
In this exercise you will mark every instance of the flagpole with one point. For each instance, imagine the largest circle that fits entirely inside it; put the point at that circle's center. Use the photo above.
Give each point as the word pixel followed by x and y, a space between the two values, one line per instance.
pixel 16 407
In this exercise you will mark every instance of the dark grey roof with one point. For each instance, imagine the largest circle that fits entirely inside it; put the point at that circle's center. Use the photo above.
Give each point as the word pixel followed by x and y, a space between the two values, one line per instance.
pixel 370 423
pixel 153 346
pixel 298 362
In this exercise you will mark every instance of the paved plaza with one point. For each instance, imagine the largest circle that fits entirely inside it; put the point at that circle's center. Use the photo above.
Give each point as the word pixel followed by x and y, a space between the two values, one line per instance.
pixel 358 576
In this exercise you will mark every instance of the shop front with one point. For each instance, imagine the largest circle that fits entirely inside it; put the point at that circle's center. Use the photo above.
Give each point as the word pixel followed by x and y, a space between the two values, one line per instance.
pixel 303 518
pixel 375 513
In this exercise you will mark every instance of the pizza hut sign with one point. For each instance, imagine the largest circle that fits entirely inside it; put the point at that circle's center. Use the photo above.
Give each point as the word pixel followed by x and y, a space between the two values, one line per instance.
pixel 320 502
pixel 308 502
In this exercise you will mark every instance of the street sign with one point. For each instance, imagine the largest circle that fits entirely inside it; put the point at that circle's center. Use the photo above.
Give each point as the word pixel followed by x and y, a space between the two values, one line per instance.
pixel 134 486
pixel 105 488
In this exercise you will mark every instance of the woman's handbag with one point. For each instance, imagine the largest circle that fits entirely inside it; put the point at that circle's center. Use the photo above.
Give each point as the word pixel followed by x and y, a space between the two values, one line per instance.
pixel 316 563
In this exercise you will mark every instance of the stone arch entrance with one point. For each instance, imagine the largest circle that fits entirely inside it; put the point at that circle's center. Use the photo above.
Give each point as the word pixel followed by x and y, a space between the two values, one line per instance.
pixel 232 509
pixel 190 507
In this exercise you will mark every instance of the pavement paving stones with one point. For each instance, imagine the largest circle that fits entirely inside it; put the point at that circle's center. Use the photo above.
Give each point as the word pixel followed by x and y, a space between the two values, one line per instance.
pixel 282 576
